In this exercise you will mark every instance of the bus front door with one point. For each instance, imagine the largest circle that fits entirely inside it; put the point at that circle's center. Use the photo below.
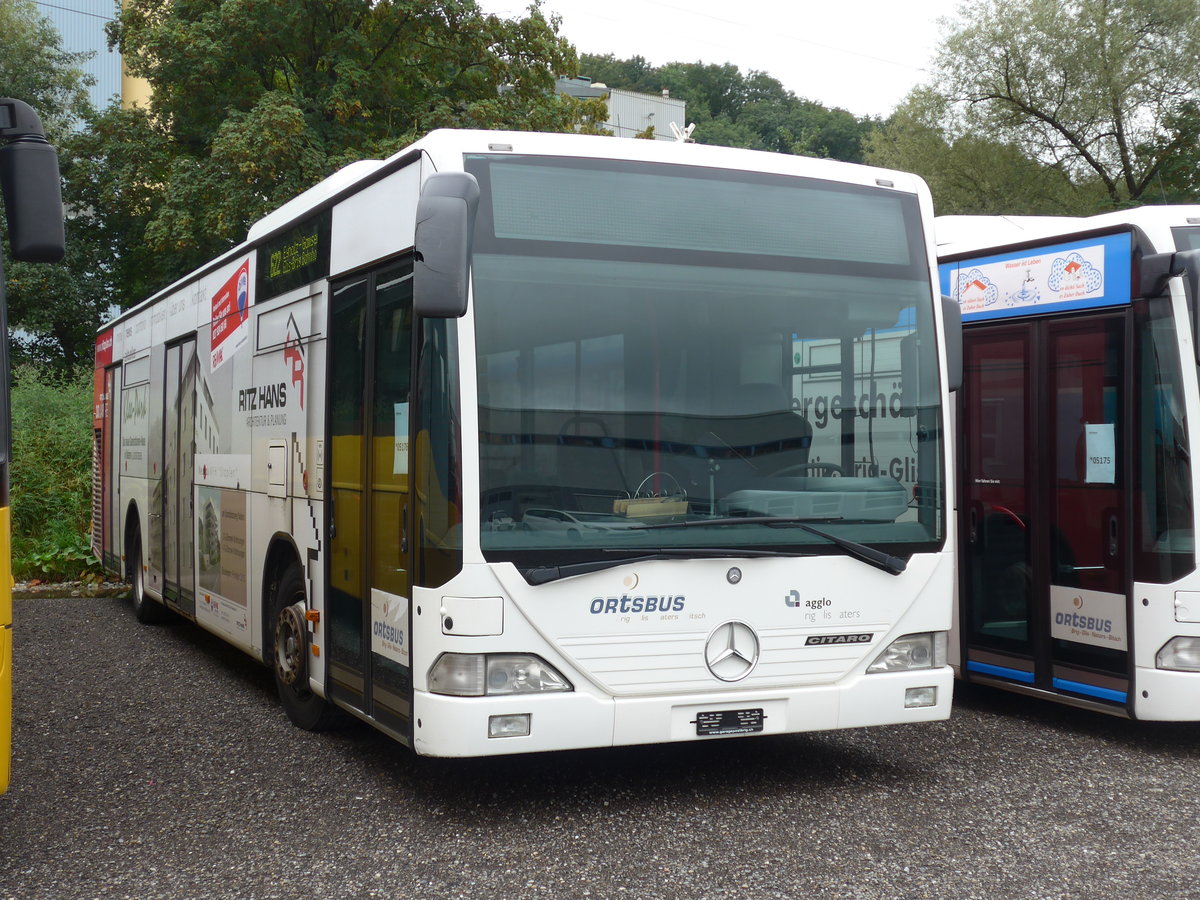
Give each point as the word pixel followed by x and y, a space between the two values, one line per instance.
pixel 179 463
pixel 1045 562
pixel 368 520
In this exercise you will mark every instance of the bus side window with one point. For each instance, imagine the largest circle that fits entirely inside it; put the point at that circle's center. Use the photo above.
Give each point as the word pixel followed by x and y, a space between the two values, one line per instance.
pixel 437 456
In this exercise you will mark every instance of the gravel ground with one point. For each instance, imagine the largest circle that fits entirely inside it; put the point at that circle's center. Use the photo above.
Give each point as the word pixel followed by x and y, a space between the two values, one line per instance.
pixel 155 762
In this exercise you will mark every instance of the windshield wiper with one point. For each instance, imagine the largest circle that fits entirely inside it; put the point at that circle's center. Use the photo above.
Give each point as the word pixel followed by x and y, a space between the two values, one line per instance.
pixel 545 574
pixel 893 565
pixel 772 521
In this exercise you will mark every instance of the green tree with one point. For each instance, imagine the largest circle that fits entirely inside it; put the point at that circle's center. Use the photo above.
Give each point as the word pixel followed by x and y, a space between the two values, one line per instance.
pixel 735 110
pixel 969 174
pixel 51 474
pixel 633 74
pixel 712 91
pixel 35 68
pixel 1104 90
pixel 1178 180
pixel 53 309
pixel 254 101
pixel 791 125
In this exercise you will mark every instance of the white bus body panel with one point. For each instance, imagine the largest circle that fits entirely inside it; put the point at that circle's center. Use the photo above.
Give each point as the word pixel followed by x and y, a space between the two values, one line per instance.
pixel 1159 694
pixel 376 222
pixel 641 677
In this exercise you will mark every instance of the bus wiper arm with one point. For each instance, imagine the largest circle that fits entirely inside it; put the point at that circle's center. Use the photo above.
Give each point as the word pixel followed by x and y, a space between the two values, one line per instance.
pixel 546 574
pixel 773 521
pixel 893 565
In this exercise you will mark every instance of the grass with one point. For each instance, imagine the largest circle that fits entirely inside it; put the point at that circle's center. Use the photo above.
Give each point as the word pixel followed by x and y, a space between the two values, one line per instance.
pixel 52 476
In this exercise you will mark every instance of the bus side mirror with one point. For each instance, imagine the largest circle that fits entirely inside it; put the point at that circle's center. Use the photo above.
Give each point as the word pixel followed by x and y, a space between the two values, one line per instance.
pixel 30 184
pixel 912 393
pixel 952 326
pixel 445 227
pixel 1153 273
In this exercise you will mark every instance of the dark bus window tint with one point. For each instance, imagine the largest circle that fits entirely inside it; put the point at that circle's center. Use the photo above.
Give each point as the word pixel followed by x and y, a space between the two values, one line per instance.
pixel 1163 502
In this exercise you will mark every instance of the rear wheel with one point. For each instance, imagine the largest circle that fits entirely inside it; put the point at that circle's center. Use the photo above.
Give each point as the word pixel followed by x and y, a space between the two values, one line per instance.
pixel 289 652
pixel 148 612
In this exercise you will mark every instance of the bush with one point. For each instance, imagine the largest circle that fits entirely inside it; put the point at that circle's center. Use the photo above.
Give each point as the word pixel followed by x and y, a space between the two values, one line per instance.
pixel 52 476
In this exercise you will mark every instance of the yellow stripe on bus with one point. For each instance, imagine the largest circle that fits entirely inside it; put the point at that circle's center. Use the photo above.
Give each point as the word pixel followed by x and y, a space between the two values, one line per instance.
pixel 6 585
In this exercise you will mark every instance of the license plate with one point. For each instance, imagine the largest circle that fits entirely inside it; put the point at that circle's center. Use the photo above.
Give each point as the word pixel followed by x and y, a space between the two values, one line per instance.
pixel 730 721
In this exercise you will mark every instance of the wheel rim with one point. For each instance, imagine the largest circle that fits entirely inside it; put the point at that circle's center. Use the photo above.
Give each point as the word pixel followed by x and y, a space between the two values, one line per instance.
pixel 290 640
pixel 139 585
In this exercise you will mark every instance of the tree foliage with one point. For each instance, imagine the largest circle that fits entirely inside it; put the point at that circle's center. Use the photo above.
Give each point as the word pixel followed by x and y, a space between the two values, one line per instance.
pixel 736 110
pixel 1103 90
pixel 53 309
pixel 969 173
pixel 253 101
pixel 51 473
pixel 35 68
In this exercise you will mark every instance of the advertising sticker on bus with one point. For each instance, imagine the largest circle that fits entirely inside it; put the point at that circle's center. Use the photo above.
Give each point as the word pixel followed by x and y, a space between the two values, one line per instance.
pixel 221 542
pixel 1088 617
pixel 100 398
pixel 1075 275
pixel 389 622
pixel 231 315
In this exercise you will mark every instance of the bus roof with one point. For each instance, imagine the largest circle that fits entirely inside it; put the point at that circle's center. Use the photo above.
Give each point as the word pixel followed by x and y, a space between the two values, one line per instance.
pixel 957 235
pixel 445 148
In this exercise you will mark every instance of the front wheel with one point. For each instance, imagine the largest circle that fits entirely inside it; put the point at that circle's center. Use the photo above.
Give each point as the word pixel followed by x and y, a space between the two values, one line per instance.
pixel 147 611
pixel 288 656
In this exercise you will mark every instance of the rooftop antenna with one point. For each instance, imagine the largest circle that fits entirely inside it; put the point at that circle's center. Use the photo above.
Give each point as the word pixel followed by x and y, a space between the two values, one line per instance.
pixel 683 135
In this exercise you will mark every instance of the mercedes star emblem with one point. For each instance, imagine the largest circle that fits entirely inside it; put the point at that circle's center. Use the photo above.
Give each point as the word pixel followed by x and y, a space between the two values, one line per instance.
pixel 731 652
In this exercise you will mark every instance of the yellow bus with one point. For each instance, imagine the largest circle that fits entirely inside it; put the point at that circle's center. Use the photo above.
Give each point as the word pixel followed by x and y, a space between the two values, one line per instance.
pixel 33 207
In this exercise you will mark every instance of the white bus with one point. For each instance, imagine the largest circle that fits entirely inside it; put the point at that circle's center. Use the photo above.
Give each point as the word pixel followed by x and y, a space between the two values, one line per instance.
pixel 1077 492
pixel 672 468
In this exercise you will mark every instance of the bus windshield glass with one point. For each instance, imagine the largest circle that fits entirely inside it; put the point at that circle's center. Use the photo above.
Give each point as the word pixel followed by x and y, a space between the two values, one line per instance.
pixel 662 345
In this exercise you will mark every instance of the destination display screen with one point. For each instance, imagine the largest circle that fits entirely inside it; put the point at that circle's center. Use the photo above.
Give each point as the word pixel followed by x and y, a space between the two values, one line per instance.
pixel 643 210
pixel 294 258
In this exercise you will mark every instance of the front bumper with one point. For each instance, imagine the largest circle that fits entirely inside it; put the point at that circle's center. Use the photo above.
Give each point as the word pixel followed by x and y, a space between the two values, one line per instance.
pixel 458 726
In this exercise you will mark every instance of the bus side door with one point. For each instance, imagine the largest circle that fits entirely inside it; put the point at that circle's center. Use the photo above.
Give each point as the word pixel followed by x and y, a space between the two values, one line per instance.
pixel 369 511
pixel 1045 562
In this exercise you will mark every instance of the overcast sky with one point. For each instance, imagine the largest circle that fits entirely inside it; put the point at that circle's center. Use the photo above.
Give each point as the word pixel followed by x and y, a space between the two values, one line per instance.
pixel 859 55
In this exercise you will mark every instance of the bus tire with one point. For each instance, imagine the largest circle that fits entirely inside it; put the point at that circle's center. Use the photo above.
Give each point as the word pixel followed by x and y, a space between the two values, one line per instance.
pixel 288 654
pixel 147 611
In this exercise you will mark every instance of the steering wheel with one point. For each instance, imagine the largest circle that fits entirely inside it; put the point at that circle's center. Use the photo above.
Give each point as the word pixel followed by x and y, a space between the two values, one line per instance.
pixel 799 468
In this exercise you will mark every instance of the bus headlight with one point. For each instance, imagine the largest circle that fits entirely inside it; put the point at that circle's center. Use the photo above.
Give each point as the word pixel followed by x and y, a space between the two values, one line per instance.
pixel 458 674
pixel 913 651
pixel 520 674
pixel 1180 653
pixel 493 674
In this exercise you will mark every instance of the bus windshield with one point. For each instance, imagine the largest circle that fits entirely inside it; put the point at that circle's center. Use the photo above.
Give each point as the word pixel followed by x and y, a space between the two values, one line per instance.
pixel 662 345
